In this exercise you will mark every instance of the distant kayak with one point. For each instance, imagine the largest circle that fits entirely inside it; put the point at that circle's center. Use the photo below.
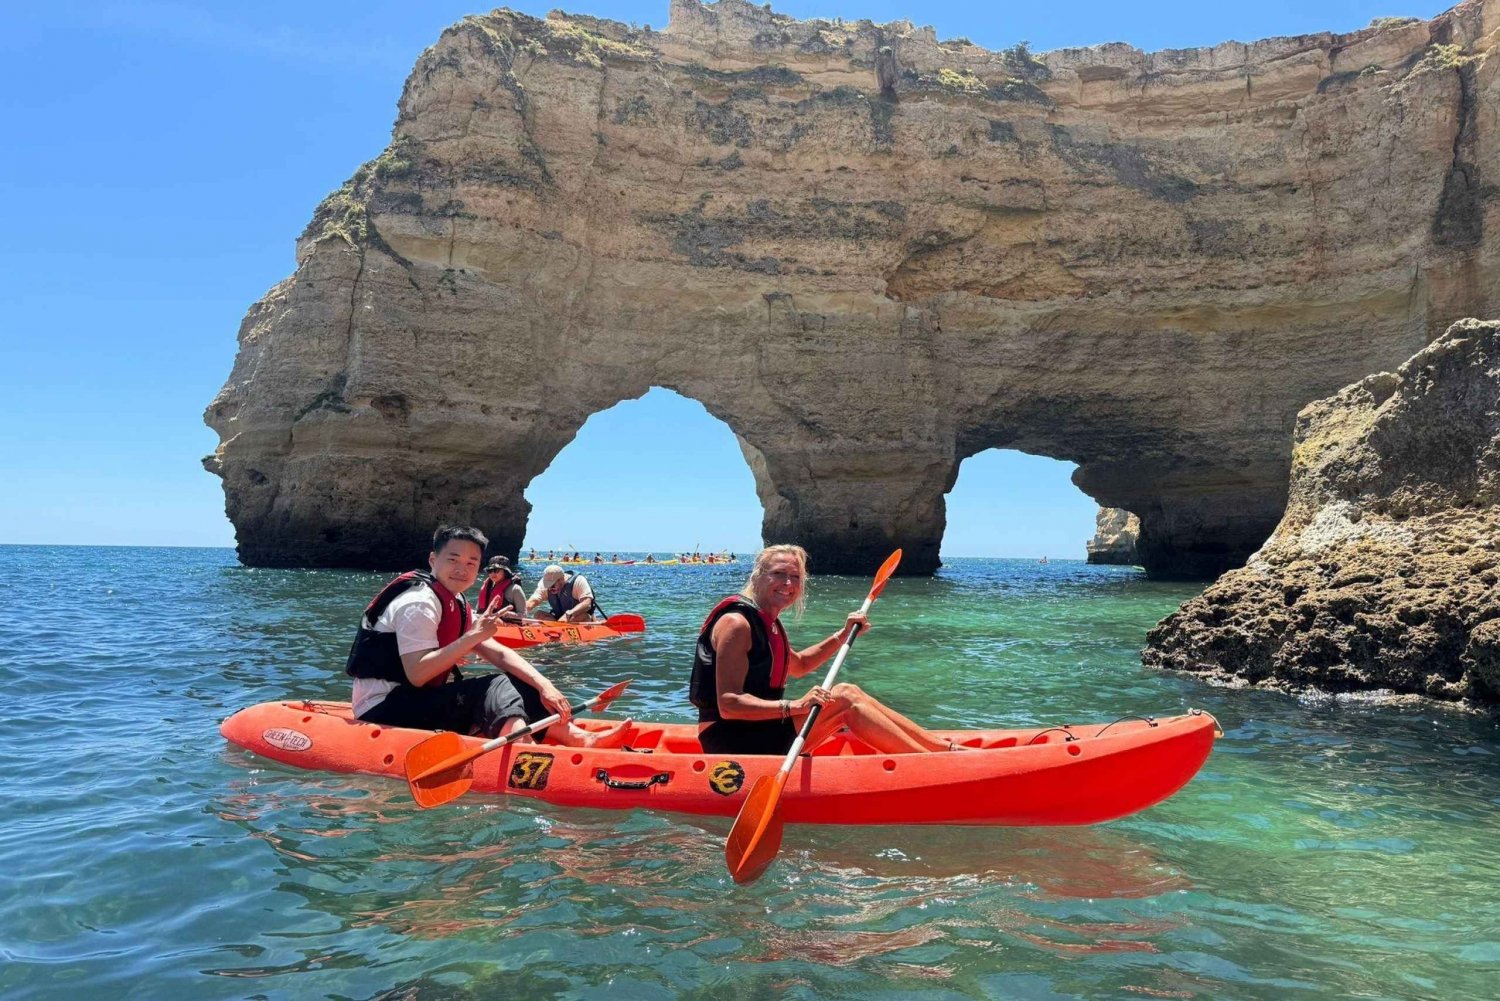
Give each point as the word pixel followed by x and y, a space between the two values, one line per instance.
pixel 518 637
pixel 1044 776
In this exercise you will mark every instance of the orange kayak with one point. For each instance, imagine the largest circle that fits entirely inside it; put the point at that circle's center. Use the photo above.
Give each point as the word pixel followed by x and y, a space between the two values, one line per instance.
pixel 1043 776
pixel 521 636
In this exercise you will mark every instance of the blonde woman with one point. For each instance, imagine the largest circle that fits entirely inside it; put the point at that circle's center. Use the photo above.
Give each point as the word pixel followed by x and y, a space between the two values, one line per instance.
pixel 743 659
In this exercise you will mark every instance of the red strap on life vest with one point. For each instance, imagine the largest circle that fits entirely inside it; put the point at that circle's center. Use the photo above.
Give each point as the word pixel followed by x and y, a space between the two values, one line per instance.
pixel 780 651
pixel 453 623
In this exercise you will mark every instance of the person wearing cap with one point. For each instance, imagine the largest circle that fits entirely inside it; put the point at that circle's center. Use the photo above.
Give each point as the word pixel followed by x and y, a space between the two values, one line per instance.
pixel 567 594
pixel 503 581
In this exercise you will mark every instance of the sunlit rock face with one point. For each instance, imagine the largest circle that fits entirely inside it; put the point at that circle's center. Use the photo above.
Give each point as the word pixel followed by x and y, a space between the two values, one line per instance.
pixel 1115 532
pixel 871 264
pixel 1383 574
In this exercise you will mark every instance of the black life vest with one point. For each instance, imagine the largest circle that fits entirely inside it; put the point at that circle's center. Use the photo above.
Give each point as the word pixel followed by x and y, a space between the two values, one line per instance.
pixel 562 601
pixel 703 686
pixel 375 655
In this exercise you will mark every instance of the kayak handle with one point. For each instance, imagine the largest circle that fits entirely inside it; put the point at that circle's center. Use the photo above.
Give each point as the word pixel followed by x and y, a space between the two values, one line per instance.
pixel 1150 721
pixel 660 778
pixel 1067 734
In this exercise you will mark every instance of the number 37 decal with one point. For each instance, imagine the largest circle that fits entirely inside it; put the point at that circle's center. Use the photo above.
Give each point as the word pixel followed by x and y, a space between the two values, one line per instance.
pixel 530 770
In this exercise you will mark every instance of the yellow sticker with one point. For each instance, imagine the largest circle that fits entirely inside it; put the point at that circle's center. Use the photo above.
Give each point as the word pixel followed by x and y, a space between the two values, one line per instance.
pixel 726 778
pixel 530 770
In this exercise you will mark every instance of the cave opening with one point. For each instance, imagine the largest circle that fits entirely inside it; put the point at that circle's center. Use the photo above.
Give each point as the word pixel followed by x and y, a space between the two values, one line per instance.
pixel 656 474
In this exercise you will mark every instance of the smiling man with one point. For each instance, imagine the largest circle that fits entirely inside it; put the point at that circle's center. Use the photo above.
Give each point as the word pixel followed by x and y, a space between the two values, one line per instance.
pixel 418 629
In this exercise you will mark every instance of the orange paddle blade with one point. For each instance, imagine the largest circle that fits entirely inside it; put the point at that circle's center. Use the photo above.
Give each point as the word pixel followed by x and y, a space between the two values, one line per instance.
pixel 604 698
pixel 756 836
pixel 626 623
pixel 884 574
pixel 435 770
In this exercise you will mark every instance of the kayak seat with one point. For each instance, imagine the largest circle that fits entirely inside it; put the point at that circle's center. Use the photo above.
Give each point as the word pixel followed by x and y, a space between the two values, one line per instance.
pixel 842 744
pixel 644 740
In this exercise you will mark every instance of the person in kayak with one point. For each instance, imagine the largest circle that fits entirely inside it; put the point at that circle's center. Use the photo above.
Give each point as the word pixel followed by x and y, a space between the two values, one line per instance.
pixel 406 652
pixel 743 659
pixel 567 594
pixel 503 581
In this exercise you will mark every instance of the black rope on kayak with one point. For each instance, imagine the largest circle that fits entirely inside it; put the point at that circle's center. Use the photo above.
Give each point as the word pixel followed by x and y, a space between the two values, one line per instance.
pixel 1067 736
pixel 1148 720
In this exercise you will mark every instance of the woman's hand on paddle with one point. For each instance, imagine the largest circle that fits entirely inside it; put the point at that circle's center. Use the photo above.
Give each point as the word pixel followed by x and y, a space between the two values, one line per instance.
pixel 856 618
pixel 816 697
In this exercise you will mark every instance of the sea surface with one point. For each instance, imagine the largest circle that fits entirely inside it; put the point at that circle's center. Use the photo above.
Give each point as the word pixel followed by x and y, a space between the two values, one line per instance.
pixel 1329 848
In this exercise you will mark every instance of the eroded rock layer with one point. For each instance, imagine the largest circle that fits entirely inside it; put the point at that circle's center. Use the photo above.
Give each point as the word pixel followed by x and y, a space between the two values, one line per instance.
pixel 872 254
pixel 1383 573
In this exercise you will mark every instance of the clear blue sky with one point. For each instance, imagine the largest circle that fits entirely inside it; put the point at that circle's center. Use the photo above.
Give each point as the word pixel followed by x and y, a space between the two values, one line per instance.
pixel 164 156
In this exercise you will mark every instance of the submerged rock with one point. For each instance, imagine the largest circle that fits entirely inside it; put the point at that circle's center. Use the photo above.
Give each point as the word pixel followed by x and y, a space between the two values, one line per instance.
pixel 1383 572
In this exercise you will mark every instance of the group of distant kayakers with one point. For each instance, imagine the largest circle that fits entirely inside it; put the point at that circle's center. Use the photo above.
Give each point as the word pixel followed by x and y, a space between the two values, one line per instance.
pixel 575 556
pixel 414 634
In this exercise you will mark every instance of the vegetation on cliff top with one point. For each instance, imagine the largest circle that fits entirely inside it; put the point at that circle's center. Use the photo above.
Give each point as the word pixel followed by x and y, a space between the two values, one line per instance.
pixel 344 214
pixel 1436 58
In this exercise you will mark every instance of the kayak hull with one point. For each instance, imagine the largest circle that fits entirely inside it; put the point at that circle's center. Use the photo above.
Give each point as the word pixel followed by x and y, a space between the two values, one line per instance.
pixel 521 637
pixel 1037 777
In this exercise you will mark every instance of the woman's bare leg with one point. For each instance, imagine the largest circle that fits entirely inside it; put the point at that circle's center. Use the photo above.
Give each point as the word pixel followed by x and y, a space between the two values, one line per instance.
pixel 920 735
pixel 873 722
pixel 865 721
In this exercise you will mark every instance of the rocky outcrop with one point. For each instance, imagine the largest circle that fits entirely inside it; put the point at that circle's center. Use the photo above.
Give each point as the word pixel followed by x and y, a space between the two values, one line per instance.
pixel 873 254
pixel 1115 532
pixel 1383 573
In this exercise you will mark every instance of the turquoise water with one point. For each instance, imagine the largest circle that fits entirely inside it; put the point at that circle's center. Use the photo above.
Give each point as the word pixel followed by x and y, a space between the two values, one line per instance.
pixel 1329 848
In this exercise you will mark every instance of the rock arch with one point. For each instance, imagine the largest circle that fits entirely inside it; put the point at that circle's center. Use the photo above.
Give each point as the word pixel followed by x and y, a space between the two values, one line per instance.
pixel 1144 264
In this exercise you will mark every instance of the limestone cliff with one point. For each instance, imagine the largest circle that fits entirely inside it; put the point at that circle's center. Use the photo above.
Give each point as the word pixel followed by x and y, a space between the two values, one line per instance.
pixel 1115 532
pixel 873 254
pixel 1383 573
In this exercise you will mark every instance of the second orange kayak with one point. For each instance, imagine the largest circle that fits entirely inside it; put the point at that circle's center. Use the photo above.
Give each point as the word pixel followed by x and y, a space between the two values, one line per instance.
pixel 521 636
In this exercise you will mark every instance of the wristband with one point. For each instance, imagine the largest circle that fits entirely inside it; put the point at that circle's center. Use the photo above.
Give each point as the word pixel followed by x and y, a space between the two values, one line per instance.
pixel 786 710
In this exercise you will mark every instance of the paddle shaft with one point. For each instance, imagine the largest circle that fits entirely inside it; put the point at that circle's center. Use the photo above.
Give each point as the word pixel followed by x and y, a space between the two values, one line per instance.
pixel 509 738
pixel 812 714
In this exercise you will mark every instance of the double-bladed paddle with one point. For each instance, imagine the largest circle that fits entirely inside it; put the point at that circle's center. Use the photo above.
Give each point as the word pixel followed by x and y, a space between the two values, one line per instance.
pixel 755 837
pixel 435 768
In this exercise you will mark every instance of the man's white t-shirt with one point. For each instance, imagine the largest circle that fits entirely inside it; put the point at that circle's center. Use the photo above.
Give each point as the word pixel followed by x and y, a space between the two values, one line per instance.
pixel 414 618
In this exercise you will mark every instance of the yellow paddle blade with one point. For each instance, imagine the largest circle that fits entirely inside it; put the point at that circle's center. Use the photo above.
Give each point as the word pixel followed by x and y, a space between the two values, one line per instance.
pixel 756 836
pixel 431 788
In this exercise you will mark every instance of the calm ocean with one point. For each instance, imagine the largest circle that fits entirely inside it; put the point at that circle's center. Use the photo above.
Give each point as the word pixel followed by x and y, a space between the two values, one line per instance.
pixel 1329 848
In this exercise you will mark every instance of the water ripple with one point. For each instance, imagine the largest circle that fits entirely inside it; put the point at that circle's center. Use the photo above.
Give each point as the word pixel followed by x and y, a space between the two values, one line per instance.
pixel 1329 847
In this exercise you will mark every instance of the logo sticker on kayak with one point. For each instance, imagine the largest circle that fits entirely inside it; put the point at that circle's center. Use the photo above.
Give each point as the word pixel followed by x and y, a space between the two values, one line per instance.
pixel 726 778
pixel 287 739
pixel 530 770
